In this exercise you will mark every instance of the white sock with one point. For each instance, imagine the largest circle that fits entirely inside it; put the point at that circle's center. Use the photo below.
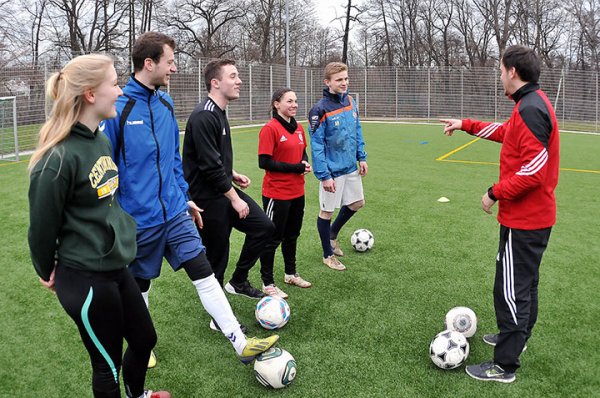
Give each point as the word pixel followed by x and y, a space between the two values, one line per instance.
pixel 215 303
pixel 145 296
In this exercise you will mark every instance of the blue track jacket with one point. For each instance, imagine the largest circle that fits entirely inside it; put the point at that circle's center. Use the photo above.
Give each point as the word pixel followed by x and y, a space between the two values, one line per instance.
pixel 336 137
pixel 145 141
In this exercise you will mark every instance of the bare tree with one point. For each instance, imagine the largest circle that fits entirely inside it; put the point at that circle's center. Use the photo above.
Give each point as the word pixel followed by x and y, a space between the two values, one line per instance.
pixel 203 25
pixel 352 14
pixel 500 16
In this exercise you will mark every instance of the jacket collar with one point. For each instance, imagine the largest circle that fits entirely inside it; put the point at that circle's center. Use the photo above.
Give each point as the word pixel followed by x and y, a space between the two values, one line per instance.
pixel 524 90
pixel 137 88
pixel 83 131
pixel 336 97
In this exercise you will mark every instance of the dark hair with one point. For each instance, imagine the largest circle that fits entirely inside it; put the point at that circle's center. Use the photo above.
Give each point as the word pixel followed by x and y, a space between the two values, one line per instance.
pixel 524 60
pixel 213 70
pixel 280 92
pixel 149 45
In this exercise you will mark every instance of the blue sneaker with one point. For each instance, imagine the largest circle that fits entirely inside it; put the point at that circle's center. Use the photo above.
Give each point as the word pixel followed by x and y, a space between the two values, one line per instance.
pixel 490 371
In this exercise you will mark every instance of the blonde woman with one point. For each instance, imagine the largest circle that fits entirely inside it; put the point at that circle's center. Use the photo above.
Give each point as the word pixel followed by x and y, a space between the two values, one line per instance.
pixel 80 239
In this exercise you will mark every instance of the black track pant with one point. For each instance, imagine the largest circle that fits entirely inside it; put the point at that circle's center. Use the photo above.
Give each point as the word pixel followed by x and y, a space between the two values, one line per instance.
pixel 219 219
pixel 287 216
pixel 107 308
pixel 516 291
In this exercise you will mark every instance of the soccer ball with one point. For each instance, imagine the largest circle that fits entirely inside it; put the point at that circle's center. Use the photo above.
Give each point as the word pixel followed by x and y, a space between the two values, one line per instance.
pixel 272 312
pixel 462 320
pixel 275 368
pixel 449 349
pixel 362 240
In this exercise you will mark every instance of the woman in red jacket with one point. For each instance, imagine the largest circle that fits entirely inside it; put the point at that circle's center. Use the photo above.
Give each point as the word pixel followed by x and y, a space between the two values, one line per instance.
pixel 282 154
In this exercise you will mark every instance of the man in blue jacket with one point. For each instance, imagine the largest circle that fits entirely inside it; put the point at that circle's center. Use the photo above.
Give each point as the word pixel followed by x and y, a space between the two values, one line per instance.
pixel 337 145
pixel 145 140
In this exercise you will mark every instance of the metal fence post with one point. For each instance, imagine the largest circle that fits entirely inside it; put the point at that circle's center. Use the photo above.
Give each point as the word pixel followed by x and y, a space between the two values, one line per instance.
pixel 250 83
pixel 596 128
pixel 270 78
pixel 365 101
pixel 199 80
pixel 305 92
pixel 15 133
pixel 396 87
pixel 428 93
pixel 462 93
pixel 495 97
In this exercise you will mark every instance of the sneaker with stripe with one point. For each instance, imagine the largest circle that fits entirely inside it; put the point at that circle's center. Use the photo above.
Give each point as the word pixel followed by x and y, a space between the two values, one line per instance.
pixel 274 291
pixel 490 371
pixel 255 347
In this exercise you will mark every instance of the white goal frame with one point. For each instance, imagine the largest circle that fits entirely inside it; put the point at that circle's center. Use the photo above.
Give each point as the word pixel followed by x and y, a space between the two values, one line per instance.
pixel 9 156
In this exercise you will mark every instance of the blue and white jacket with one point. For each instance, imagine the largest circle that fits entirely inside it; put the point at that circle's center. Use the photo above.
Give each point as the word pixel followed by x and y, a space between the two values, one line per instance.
pixel 336 137
pixel 145 141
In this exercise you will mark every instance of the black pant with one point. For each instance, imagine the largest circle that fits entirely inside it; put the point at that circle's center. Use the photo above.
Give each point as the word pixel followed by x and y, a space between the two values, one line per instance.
pixel 107 308
pixel 516 291
pixel 287 216
pixel 219 219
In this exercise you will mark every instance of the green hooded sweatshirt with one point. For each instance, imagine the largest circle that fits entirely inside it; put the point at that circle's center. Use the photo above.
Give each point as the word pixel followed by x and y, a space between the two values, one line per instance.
pixel 74 216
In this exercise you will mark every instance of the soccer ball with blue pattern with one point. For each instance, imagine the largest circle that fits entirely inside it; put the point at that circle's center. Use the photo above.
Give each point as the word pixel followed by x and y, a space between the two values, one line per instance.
pixel 272 312
pixel 449 349
pixel 275 368
pixel 362 240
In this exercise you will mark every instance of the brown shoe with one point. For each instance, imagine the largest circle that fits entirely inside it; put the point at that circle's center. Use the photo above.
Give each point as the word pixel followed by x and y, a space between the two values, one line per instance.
pixel 333 263
pixel 335 246
pixel 296 280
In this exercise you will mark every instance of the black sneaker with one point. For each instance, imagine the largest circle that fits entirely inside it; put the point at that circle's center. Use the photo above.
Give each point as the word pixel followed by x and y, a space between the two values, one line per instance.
pixel 213 325
pixel 492 339
pixel 490 371
pixel 244 289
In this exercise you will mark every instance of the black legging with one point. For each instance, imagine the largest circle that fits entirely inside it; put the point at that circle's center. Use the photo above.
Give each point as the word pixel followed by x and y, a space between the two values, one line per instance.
pixel 107 308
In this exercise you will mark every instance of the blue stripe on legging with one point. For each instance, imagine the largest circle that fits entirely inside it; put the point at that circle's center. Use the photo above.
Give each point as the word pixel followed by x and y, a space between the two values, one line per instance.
pixel 88 328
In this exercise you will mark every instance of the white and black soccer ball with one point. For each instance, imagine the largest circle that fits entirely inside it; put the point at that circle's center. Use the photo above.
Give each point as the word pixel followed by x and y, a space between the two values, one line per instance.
pixel 275 368
pixel 362 240
pixel 462 320
pixel 449 349
pixel 272 312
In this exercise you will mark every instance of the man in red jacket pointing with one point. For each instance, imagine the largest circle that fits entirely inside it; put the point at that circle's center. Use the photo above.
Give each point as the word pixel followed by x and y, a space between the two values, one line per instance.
pixel 526 206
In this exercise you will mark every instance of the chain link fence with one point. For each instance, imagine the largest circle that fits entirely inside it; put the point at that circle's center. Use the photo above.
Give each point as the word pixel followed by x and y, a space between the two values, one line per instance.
pixel 382 93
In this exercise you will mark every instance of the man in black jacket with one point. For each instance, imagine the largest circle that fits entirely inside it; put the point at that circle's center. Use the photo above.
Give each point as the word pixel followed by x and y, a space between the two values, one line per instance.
pixel 208 169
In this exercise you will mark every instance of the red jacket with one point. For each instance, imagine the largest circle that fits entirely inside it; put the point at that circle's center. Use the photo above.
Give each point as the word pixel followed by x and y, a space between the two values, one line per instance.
pixel 528 160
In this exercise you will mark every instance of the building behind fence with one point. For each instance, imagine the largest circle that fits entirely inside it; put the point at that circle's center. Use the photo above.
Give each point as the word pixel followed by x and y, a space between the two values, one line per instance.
pixel 423 94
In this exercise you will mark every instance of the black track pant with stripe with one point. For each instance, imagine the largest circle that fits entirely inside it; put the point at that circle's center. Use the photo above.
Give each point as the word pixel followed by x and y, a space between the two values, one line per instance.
pixel 287 216
pixel 107 308
pixel 219 219
pixel 516 291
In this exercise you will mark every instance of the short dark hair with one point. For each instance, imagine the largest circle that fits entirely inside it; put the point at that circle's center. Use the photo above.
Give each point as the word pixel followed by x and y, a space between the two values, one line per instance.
pixel 277 98
pixel 524 60
pixel 149 45
pixel 212 70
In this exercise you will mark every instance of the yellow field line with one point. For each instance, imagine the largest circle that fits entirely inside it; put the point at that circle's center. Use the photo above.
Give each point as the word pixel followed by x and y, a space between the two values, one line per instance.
pixel 12 163
pixel 466 161
pixel 443 159
pixel 458 149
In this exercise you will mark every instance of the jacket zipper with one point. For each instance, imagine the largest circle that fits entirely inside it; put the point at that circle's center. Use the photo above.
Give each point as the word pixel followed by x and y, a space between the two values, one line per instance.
pixel 157 161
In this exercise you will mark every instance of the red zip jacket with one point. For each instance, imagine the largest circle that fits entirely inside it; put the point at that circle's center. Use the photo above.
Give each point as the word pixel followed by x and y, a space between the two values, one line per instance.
pixel 528 160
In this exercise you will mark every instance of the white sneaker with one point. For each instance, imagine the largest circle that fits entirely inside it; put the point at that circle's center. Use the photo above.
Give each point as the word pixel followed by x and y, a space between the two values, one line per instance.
pixel 296 280
pixel 335 246
pixel 274 291
pixel 333 263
